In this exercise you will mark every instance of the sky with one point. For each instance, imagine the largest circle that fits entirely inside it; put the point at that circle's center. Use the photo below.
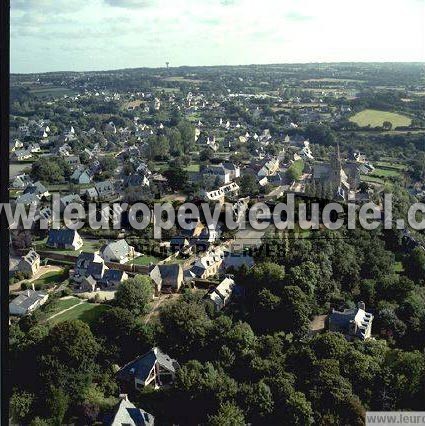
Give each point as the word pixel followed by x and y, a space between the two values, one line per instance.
pixel 87 35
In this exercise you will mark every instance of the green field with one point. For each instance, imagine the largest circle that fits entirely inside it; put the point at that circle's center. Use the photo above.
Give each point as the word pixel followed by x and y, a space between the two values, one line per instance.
pixel 87 312
pixel 390 165
pixel 375 118
pixel 52 91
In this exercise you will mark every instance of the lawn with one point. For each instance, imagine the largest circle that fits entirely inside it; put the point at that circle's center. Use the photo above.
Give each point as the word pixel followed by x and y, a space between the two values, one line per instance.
pixel 398 267
pixel 87 312
pixel 160 166
pixel 47 280
pixel 55 306
pixel 61 304
pixel 385 173
pixel 144 260
pixel 375 118
pixel 89 246
pixel 194 168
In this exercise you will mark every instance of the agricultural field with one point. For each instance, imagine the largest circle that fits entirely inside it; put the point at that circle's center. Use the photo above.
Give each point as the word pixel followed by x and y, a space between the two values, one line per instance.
pixel 52 91
pixel 371 179
pixel 390 165
pixel 375 118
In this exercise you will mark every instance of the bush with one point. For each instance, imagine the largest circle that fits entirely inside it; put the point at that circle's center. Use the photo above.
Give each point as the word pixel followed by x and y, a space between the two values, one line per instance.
pixel 25 285
pixel 66 292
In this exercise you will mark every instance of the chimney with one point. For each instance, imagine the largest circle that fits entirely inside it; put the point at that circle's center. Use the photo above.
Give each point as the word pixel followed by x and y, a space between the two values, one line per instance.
pixel 361 305
pixel 33 286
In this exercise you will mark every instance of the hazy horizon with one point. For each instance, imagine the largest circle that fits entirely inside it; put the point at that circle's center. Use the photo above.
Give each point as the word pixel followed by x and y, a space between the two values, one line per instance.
pixel 218 66
pixel 105 35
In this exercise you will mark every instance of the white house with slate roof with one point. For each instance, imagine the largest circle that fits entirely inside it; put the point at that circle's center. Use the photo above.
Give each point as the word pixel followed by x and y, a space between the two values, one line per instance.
pixel 353 323
pixel 221 295
pixel 81 175
pixel 126 413
pixel 38 189
pixel 225 172
pixel 68 239
pixel 20 181
pixel 151 369
pixel 269 168
pixel 20 155
pixel 118 251
pixel 106 189
pixel 30 263
pixel 167 278
pixel 209 264
pixel 27 302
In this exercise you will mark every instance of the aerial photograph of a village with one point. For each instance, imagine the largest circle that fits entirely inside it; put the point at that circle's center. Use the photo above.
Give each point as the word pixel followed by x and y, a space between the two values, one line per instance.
pixel 204 231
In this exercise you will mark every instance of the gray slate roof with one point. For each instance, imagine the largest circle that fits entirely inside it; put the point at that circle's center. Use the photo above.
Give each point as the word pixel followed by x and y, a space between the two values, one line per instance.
pixel 61 236
pixel 142 366
pixel 26 299
pixel 127 414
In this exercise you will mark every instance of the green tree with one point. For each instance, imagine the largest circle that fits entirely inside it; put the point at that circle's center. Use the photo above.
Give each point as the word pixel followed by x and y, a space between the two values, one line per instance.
pixel 306 276
pixel 295 170
pixel 229 414
pixel 68 357
pixel 177 178
pixel 135 294
pixel 185 328
pixel 387 125
pixel 20 405
pixel 57 403
pixel 248 185
pixel 298 410
pixel 257 399
pixel 320 134
pixel 415 264
pixel 295 310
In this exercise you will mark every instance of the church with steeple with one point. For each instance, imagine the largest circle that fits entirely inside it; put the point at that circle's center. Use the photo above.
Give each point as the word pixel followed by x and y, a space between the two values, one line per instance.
pixel 338 177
